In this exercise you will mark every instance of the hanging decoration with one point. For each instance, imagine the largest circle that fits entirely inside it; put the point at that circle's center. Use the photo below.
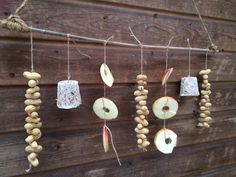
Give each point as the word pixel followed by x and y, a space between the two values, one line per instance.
pixel 33 122
pixel 165 108
pixel 205 103
pixel 189 85
pixel 68 92
pixel 141 95
pixel 105 108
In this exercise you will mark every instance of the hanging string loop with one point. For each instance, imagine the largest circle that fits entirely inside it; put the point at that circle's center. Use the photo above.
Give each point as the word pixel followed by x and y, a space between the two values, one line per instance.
pixel 113 146
pixel 212 47
pixel 68 57
pixel 141 49
pixel 105 48
pixel 206 60
pixel 189 58
pixel 31 51
pixel 167 57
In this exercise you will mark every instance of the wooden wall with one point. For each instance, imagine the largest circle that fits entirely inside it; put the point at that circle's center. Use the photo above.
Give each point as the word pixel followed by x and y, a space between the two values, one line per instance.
pixel 72 138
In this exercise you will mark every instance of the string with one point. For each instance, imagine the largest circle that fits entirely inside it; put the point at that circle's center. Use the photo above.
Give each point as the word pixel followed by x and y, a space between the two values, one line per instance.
pixel 141 49
pixel 29 169
pixel 167 57
pixel 203 23
pixel 80 52
pixel 165 86
pixel 105 61
pixel 104 95
pixel 31 51
pixel 104 85
pixel 113 146
pixel 141 60
pixel 206 61
pixel 68 57
pixel 189 58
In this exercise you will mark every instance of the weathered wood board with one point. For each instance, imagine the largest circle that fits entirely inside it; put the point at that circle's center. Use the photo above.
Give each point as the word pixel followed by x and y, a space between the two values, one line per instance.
pixel 72 139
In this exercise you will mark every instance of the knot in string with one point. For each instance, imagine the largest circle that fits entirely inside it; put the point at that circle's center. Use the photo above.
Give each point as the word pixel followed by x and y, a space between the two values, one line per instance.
pixel 14 22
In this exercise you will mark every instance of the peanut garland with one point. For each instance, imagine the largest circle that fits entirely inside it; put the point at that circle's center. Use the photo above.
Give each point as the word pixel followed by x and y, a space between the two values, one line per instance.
pixel 141 112
pixel 205 104
pixel 33 122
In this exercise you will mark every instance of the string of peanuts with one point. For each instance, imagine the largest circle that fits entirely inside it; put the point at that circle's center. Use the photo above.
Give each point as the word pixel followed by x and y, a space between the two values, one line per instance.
pixel 142 111
pixel 33 122
pixel 141 95
pixel 205 104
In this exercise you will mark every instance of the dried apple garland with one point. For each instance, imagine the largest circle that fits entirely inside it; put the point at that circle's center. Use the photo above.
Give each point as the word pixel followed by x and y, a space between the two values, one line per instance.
pixel 165 108
pixel 105 108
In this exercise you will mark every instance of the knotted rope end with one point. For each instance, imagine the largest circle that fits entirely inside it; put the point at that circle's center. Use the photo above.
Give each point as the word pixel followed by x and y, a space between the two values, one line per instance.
pixel 15 23
pixel 213 48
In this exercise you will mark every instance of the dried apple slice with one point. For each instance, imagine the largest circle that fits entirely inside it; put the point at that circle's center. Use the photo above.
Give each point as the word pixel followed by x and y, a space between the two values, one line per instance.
pixel 165 140
pixel 105 139
pixel 165 107
pixel 105 109
pixel 166 75
pixel 106 75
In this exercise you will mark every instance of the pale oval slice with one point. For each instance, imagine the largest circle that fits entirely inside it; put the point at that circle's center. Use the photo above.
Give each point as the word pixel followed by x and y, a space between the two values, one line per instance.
pixel 165 107
pixel 105 109
pixel 106 75
pixel 105 139
pixel 166 75
pixel 165 140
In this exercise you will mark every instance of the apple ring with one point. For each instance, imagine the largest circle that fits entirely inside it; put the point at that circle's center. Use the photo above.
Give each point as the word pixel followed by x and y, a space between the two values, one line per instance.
pixel 165 140
pixel 105 109
pixel 165 107
pixel 166 76
pixel 106 75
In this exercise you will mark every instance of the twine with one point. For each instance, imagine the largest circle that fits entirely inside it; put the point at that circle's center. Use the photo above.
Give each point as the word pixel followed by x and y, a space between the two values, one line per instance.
pixel 212 47
pixel 206 60
pixel 68 57
pixel 141 49
pixel 31 51
pixel 165 86
pixel 14 22
pixel 189 58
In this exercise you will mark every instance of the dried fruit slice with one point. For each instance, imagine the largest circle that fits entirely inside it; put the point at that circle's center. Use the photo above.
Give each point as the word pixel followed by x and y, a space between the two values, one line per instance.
pixel 105 139
pixel 165 140
pixel 106 75
pixel 166 75
pixel 105 109
pixel 165 107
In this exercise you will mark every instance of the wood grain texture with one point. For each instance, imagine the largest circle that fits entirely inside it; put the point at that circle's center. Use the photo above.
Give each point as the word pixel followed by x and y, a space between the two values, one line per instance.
pixel 12 114
pixel 124 63
pixel 101 21
pixel 184 161
pixel 228 170
pixel 72 139
pixel 222 9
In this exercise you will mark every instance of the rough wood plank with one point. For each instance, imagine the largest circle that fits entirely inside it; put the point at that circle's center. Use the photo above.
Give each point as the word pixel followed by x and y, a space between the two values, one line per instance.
pixel 228 170
pixel 12 108
pixel 222 9
pixel 103 21
pixel 51 61
pixel 185 160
